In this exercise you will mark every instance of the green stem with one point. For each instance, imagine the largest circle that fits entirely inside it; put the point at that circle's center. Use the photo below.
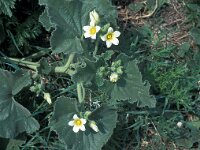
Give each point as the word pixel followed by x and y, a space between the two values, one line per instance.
pixel 35 65
pixel 96 48
pixel 63 69
pixel 31 65
pixel 80 92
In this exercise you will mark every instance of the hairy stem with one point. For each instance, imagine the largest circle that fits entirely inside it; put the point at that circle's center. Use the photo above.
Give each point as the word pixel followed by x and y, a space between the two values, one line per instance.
pixel 31 65
pixel 96 48
pixel 35 65
pixel 63 69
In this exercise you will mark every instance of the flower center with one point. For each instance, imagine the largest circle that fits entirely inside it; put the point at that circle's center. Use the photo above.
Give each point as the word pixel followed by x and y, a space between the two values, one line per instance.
pixel 109 36
pixel 78 122
pixel 92 30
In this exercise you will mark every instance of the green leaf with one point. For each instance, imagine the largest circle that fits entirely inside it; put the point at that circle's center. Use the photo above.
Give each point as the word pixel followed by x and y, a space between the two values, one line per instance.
pixel 195 33
pixel 108 55
pixel 86 72
pixel 10 144
pixel 130 86
pixel 45 67
pixel 69 23
pixel 14 118
pixel 45 20
pixel 190 134
pixel 6 6
pixel 105 117
pixel 183 49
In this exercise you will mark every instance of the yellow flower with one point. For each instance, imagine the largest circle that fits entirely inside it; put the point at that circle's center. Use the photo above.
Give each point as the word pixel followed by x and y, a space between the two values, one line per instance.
pixel 91 30
pixel 114 77
pixel 77 123
pixel 111 37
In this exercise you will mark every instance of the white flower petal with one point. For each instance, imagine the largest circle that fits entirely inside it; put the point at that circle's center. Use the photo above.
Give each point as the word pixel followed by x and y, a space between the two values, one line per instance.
pixel 75 116
pixel 86 28
pixel 116 33
pixel 108 44
pixel 76 129
pixel 93 36
pixel 83 121
pixel 115 41
pixel 87 35
pixel 71 123
pixel 98 28
pixel 103 38
pixel 82 128
pixel 110 29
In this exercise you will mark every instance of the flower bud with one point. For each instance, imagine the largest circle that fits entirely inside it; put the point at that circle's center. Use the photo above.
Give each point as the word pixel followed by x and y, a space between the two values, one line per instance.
pixel 47 97
pixel 86 114
pixel 114 77
pixel 112 68
pixel 102 69
pixel 93 125
pixel 119 70
pixel 94 17
pixel 179 124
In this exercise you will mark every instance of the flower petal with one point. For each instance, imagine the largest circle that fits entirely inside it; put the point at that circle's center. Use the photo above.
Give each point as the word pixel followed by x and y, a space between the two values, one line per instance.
pixel 116 33
pixel 98 28
pixel 115 41
pixel 76 129
pixel 103 38
pixel 93 36
pixel 75 116
pixel 83 121
pixel 71 123
pixel 108 44
pixel 110 29
pixel 86 28
pixel 87 35
pixel 82 128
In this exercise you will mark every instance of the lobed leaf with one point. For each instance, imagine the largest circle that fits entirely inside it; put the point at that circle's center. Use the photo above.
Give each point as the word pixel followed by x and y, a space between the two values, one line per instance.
pixel 130 86
pixel 14 118
pixel 105 117
pixel 68 23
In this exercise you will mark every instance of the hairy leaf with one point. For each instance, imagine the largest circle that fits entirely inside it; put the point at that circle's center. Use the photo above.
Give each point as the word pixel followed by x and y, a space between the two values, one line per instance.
pixel 14 118
pixel 69 23
pixel 87 71
pixel 130 85
pixel 45 20
pixel 105 117
pixel 45 67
